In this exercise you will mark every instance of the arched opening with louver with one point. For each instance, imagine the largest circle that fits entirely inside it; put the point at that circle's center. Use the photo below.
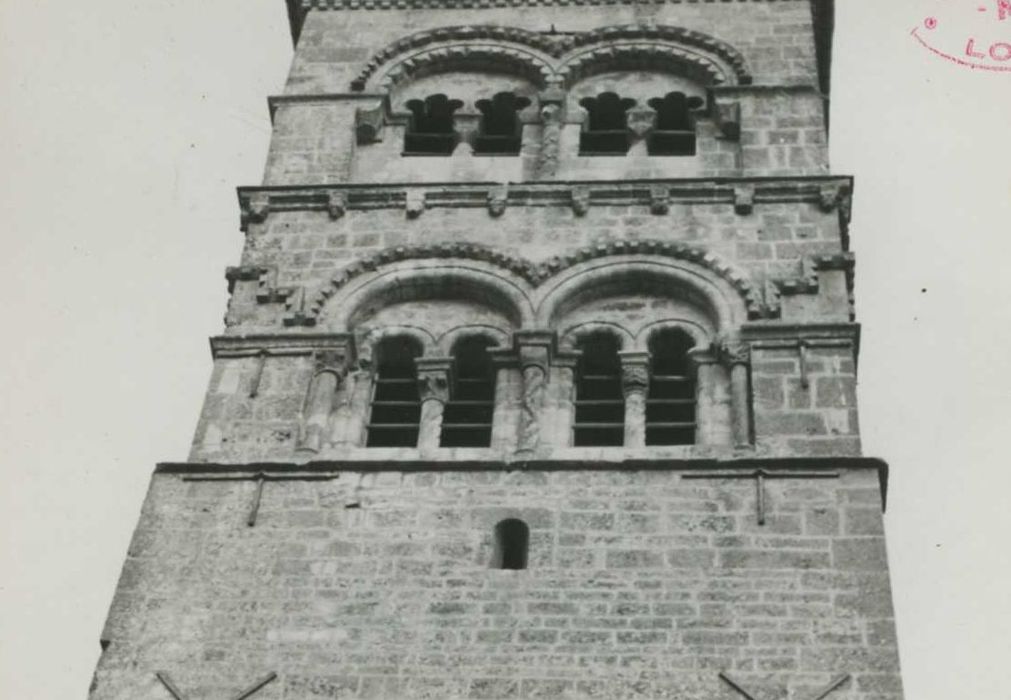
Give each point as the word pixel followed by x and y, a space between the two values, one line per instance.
pixel 670 403
pixel 467 419
pixel 674 132
pixel 599 402
pixel 396 405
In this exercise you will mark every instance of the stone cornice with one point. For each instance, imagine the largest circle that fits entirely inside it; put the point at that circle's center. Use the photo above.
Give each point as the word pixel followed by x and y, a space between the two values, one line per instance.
pixel 830 192
pixel 335 468
pixel 305 5
pixel 275 101
pixel 772 334
pixel 278 344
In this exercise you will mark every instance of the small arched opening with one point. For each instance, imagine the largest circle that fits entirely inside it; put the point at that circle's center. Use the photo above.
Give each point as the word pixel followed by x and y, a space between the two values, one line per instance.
pixel 467 419
pixel 512 544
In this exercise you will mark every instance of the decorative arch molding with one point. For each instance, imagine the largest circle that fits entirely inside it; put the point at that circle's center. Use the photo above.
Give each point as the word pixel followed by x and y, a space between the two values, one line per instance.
pixel 595 279
pixel 543 43
pixel 419 279
pixel 673 35
pixel 461 56
pixel 542 55
pixel 639 55
pixel 521 277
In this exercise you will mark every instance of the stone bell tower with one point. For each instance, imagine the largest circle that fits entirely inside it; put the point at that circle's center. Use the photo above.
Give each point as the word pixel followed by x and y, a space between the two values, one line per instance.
pixel 538 376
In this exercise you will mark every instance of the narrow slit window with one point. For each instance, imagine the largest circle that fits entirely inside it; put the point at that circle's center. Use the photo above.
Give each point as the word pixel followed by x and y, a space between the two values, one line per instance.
pixel 670 405
pixel 396 403
pixel 431 131
pixel 512 543
pixel 500 132
pixel 606 132
pixel 467 419
pixel 600 403
pixel 674 134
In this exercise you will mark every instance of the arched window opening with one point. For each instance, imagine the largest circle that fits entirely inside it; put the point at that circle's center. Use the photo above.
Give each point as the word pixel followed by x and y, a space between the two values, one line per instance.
pixel 606 131
pixel 430 131
pixel 512 541
pixel 500 132
pixel 670 405
pixel 674 134
pixel 467 419
pixel 396 403
pixel 600 404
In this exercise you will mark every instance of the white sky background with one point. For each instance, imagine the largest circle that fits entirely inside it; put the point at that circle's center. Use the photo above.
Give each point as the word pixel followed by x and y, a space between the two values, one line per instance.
pixel 125 128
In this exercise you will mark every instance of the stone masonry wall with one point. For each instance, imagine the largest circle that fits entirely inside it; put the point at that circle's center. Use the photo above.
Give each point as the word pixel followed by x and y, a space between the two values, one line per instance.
pixel 640 584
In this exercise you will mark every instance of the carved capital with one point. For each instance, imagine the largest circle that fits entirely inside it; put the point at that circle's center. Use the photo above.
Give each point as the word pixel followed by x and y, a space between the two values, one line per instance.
pixel 333 360
pixel 498 199
pixel 634 372
pixel 640 120
pixel 434 378
pixel 414 203
pixel 734 351
pixel 369 123
pixel 744 199
pixel 580 200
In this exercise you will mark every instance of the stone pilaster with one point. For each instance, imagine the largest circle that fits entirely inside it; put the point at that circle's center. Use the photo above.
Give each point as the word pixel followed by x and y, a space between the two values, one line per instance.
pixel 330 367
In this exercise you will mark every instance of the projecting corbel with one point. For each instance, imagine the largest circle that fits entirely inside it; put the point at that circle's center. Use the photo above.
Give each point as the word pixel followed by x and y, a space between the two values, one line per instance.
pixel 498 199
pixel 254 209
pixel 744 199
pixel 414 203
pixel 659 199
pixel 580 200
pixel 336 204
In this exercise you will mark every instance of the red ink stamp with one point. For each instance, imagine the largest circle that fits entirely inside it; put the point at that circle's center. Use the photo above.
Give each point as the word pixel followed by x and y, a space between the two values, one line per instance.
pixel 975 34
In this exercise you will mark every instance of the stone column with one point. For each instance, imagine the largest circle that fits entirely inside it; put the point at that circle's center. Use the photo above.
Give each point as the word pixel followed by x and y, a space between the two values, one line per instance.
pixel 635 387
pixel 713 422
pixel 534 349
pixel 434 377
pixel 330 367
pixel 737 354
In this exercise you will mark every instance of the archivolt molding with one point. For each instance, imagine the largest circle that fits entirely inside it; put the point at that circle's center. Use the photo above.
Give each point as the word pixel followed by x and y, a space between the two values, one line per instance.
pixel 492 57
pixel 640 55
pixel 523 276
pixel 570 337
pixel 557 58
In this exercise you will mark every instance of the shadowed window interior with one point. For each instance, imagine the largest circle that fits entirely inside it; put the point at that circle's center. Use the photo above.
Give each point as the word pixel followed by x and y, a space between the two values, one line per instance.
pixel 396 403
pixel 430 131
pixel 674 133
pixel 670 404
pixel 600 404
pixel 606 130
pixel 512 541
pixel 500 132
pixel 467 419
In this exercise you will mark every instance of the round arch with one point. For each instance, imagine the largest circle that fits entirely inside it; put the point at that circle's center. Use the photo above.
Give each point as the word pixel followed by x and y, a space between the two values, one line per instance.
pixel 570 337
pixel 414 280
pixel 498 337
pixel 702 336
pixel 595 279
pixel 371 339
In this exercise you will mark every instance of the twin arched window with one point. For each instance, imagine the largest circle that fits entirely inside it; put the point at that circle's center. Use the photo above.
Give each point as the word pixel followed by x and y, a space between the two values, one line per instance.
pixel 431 130
pixel 395 416
pixel 600 397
